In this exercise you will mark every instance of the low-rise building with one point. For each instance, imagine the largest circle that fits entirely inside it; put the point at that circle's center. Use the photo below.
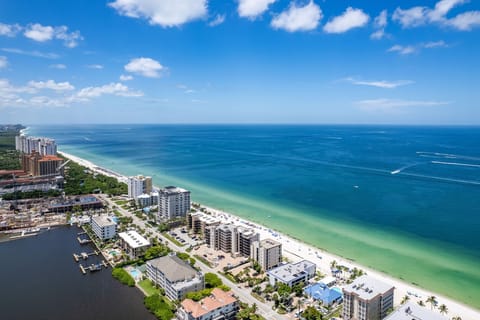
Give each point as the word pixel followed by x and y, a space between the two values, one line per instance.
pixel 367 298
pixel 175 276
pixel 268 253
pixel 133 243
pixel 411 310
pixel 320 291
pixel 220 305
pixel 104 227
pixel 292 273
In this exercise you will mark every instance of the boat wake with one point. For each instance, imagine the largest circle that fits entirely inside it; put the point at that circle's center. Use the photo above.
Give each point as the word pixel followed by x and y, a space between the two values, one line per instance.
pixel 404 168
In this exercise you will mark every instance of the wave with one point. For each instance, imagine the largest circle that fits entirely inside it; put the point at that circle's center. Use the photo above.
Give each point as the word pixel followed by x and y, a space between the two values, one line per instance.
pixel 445 155
pixel 457 164
pixel 470 182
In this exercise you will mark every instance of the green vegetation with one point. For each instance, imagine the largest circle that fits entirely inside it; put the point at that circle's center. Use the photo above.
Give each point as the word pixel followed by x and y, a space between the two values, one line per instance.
pixel 311 313
pixel 199 295
pixel 186 257
pixel 203 260
pixel 248 313
pixel 160 307
pixel 9 157
pixel 34 194
pixel 257 296
pixel 148 287
pixel 123 276
pixel 212 280
pixel 156 251
pixel 79 180
pixel 172 239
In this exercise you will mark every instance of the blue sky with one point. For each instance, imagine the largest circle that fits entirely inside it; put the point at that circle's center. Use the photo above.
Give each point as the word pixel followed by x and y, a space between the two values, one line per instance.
pixel 240 61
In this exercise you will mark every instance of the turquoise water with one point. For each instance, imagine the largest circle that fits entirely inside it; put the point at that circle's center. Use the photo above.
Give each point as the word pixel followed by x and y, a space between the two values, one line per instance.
pixel 402 200
pixel 135 274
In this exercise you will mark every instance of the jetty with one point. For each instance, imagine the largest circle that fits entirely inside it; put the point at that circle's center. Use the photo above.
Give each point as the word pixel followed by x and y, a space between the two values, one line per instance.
pixel 83 241
pixel 84 255
pixel 93 267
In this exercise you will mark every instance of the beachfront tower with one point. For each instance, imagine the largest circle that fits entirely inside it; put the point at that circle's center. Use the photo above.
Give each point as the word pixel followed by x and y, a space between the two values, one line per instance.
pixel 173 202
pixel 268 253
pixel 367 298
pixel 139 185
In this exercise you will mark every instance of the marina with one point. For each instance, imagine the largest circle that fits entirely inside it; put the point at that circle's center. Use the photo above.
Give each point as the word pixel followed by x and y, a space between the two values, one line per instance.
pixel 84 255
pixel 93 267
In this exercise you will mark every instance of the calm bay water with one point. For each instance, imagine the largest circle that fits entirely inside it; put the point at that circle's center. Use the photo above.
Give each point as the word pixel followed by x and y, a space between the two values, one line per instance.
pixel 403 200
pixel 40 280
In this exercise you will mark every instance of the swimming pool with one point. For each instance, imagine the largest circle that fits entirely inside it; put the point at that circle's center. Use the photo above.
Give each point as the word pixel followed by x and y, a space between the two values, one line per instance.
pixel 135 274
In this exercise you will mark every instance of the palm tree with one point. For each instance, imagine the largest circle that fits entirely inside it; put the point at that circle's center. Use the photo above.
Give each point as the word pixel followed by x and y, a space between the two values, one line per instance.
pixel 443 309
pixel 421 303
pixel 457 318
pixel 433 301
pixel 333 264
pixel 405 299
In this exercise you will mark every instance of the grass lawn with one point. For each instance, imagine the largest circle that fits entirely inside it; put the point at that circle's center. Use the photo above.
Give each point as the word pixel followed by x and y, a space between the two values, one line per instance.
pixel 172 239
pixel 147 286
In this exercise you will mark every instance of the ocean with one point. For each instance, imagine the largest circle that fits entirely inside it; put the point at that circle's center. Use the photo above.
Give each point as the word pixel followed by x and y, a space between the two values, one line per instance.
pixel 401 200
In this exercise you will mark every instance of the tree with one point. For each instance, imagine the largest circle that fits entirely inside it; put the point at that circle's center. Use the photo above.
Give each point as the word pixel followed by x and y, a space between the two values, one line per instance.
pixel 421 303
pixel 443 309
pixel 405 299
pixel 298 289
pixel 312 314
pixel 432 300
pixel 212 280
pixel 457 318
pixel 333 264
pixel 284 290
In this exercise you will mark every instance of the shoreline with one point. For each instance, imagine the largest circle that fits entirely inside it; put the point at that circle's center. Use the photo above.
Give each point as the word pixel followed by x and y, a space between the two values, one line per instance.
pixel 296 249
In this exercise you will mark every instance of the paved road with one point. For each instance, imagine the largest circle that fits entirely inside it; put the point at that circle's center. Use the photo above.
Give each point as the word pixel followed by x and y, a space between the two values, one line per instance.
pixel 263 309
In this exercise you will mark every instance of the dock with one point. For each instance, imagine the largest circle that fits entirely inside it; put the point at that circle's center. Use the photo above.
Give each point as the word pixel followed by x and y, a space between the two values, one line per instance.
pixel 83 241
pixel 84 255
pixel 81 233
pixel 93 267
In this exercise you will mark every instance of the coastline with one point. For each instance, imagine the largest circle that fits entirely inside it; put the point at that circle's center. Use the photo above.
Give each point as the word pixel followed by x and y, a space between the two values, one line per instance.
pixel 295 250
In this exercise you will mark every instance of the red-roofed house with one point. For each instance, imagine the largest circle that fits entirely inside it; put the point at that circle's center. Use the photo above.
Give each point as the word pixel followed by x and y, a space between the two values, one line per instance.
pixel 220 305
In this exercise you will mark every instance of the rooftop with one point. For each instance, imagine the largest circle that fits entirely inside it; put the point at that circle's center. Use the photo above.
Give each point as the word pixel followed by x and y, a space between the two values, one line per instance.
pixel 367 287
pixel 319 291
pixel 103 221
pixel 174 268
pixel 134 239
pixel 412 311
pixel 205 217
pixel 173 190
pixel 269 243
pixel 216 300
pixel 291 271
pixel 50 158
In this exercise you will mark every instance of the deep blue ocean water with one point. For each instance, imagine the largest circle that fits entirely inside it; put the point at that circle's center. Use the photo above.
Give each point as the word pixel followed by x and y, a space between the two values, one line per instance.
pixel 404 200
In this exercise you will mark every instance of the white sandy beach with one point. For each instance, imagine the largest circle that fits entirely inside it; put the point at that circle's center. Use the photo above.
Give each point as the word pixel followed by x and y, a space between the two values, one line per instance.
pixel 295 250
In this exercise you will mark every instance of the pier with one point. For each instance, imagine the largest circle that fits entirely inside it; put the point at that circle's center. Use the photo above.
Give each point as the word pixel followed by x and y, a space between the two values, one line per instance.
pixel 93 267
pixel 81 233
pixel 84 255
pixel 83 241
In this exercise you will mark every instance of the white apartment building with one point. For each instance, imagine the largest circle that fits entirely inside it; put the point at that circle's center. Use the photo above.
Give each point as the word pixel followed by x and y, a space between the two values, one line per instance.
pixel 268 253
pixel 138 185
pixel 133 243
pixel 173 202
pixel 292 273
pixel 104 227
pixel 367 298
pixel 44 146
pixel 227 237
pixel 412 310
pixel 175 276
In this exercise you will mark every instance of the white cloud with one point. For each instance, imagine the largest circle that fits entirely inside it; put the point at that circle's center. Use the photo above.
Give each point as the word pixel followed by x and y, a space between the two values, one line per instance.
pixel 405 50
pixel 253 8
pixel 146 67
pixel 117 89
pixel 418 16
pixel 124 77
pixel 166 13
pixel 3 62
pixel 297 18
pixel 385 105
pixel 58 66
pixel 380 22
pixel 40 33
pixel 350 19
pixel 27 96
pixel 9 30
pixel 52 85
pixel 95 66
pixel 380 83
pixel 219 19
pixel 38 54
pixel 465 21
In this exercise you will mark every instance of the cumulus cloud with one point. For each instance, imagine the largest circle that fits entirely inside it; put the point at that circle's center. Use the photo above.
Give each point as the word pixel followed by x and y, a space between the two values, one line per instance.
pixel 124 77
pixel 3 62
pixel 297 18
pixel 33 94
pixel 421 15
pixel 9 30
pixel 166 13
pixel 379 83
pixel 409 49
pixel 385 105
pixel 218 20
pixel 146 67
pixel 253 8
pixel 38 54
pixel 380 22
pixel 40 33
pixel 350 19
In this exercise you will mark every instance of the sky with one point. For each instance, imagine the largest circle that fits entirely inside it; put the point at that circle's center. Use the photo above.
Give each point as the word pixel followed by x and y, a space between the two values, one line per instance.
pixel 240 61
